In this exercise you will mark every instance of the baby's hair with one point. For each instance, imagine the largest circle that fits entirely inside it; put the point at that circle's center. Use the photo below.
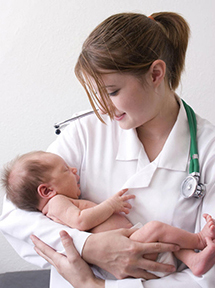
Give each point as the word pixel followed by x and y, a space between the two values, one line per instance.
pixel 21 178
pixel 130 43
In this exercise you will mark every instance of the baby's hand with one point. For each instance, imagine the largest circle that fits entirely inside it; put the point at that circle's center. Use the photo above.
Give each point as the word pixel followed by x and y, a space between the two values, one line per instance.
pixel 119 201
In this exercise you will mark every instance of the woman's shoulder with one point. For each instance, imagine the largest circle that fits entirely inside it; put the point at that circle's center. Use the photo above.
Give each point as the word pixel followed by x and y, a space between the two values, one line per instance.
pixel 92 125
pixel 205 139
pixel 205 129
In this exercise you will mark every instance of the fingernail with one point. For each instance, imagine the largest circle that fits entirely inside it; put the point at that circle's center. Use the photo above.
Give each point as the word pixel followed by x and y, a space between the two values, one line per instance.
pixel 172 269
pixel 32 237
pixel 177 248
pixel 63 234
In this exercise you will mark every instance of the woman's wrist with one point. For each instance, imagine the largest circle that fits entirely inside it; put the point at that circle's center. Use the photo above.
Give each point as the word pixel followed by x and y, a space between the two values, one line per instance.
pixel 96 283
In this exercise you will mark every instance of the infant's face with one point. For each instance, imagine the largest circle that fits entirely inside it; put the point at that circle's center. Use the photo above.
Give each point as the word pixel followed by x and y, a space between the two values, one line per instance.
pixel 64 179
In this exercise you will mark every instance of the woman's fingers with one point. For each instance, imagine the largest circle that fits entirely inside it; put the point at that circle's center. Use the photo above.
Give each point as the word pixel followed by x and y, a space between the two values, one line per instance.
pixel 140 273
pixel 158 247
pixel 43 249
pixel 156 266
pixel 67 242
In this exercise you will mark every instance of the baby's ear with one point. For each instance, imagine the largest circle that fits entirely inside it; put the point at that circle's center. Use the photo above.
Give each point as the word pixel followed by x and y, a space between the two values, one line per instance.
pixel 45 191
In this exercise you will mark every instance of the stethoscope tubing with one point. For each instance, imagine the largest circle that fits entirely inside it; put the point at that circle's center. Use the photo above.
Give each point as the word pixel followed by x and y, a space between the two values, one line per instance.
pixel 194 162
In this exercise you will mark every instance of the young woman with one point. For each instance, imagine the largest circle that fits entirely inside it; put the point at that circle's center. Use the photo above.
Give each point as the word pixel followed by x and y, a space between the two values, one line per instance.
pixel 130 66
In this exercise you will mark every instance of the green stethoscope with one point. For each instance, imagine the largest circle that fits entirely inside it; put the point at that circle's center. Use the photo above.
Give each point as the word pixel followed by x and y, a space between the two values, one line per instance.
pixel 191 187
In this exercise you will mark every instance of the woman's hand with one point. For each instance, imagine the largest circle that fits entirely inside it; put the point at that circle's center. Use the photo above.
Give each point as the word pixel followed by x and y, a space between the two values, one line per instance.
pixel 122 257
pixel 72 267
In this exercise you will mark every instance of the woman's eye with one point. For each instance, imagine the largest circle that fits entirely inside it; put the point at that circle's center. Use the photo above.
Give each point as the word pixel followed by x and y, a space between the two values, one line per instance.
pixel 114 93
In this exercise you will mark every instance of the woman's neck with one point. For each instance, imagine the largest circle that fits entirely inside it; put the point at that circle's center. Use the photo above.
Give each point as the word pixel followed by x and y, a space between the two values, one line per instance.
pixel 154 133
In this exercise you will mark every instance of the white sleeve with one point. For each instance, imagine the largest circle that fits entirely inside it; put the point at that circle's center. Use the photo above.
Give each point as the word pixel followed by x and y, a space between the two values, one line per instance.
pixel 17 226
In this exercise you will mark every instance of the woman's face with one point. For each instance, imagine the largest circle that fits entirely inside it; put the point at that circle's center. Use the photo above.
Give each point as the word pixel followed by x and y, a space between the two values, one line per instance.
pixel 64 179
pixel 134 103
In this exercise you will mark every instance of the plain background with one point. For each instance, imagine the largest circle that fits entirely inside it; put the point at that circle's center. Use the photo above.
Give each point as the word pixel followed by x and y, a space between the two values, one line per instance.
pixel 40 41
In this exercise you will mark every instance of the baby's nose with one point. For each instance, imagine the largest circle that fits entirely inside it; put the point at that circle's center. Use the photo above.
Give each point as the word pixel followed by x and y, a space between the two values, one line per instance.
pixel 74 170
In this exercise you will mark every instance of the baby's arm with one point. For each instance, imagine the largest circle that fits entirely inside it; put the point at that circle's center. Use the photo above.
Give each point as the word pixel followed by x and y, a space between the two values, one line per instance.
pixel 61 209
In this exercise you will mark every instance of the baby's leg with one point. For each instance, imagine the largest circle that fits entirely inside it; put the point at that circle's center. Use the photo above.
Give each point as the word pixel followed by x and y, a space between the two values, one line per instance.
pixel 157 231
pixel 148 233
pixel 116 221
pixel 199 263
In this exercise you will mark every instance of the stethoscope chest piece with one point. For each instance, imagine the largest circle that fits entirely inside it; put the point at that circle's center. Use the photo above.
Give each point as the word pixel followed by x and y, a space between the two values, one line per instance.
pixel 192 188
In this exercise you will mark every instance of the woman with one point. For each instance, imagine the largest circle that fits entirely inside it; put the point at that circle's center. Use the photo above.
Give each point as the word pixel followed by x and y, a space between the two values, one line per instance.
pixel 130 66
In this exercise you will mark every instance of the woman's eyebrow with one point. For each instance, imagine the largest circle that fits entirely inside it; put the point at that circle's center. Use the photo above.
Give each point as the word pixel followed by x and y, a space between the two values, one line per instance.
pixel 110 86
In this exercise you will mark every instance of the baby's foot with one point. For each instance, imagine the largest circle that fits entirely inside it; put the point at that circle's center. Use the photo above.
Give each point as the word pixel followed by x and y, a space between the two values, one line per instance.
pixel 208 230
pixel 201 262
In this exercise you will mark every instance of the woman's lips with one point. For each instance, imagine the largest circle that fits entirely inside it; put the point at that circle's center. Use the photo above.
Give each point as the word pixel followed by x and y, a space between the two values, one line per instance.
pixel 119 117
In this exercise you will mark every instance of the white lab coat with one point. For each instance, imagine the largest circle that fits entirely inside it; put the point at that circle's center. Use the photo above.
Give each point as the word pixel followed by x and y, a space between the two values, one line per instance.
pixel 109 158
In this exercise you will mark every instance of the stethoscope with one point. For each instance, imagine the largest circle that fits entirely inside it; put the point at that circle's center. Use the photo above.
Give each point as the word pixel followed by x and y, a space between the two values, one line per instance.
pixel 60 125
pixel 191 186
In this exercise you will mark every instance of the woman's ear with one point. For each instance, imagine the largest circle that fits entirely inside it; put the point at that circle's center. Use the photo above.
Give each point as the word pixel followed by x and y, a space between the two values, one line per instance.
pixel 45 191
pixel 157 71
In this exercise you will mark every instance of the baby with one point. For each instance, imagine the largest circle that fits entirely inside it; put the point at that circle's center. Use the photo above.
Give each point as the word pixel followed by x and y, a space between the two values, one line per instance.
pixel 42 181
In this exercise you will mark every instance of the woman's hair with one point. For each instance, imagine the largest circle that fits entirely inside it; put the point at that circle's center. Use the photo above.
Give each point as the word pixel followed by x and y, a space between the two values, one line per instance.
pixel 130 43
pixel 21 178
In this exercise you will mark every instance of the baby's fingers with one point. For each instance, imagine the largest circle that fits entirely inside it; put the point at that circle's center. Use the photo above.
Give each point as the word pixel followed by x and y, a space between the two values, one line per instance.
pixel 125 210
pixel 120 193
pixel 128 197
pixel 127 205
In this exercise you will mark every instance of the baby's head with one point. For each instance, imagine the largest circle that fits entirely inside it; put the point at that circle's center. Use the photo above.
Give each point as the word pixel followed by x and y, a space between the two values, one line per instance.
pixel 33 178
pixel 21 178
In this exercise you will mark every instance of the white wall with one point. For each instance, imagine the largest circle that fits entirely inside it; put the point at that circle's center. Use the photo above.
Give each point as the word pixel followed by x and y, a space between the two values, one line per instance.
pixel 39 43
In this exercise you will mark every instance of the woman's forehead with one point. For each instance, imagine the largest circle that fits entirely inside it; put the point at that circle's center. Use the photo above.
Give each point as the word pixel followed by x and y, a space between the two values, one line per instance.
pixel 106 80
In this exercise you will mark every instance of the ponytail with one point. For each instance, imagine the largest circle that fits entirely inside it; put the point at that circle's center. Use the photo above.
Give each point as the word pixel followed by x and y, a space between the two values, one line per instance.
pixel 177 31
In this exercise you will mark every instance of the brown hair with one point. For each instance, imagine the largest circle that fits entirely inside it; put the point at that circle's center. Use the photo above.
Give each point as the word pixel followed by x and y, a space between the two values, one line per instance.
pixel 22 176
pixel 131 42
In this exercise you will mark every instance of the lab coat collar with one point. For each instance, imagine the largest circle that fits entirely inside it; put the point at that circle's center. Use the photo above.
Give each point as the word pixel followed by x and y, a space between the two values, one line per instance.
pixel 175 153
pixel 129 146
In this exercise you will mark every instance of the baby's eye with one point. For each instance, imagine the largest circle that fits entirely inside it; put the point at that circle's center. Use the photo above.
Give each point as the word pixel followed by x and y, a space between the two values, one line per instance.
pixel 114 93
pixel 67 168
